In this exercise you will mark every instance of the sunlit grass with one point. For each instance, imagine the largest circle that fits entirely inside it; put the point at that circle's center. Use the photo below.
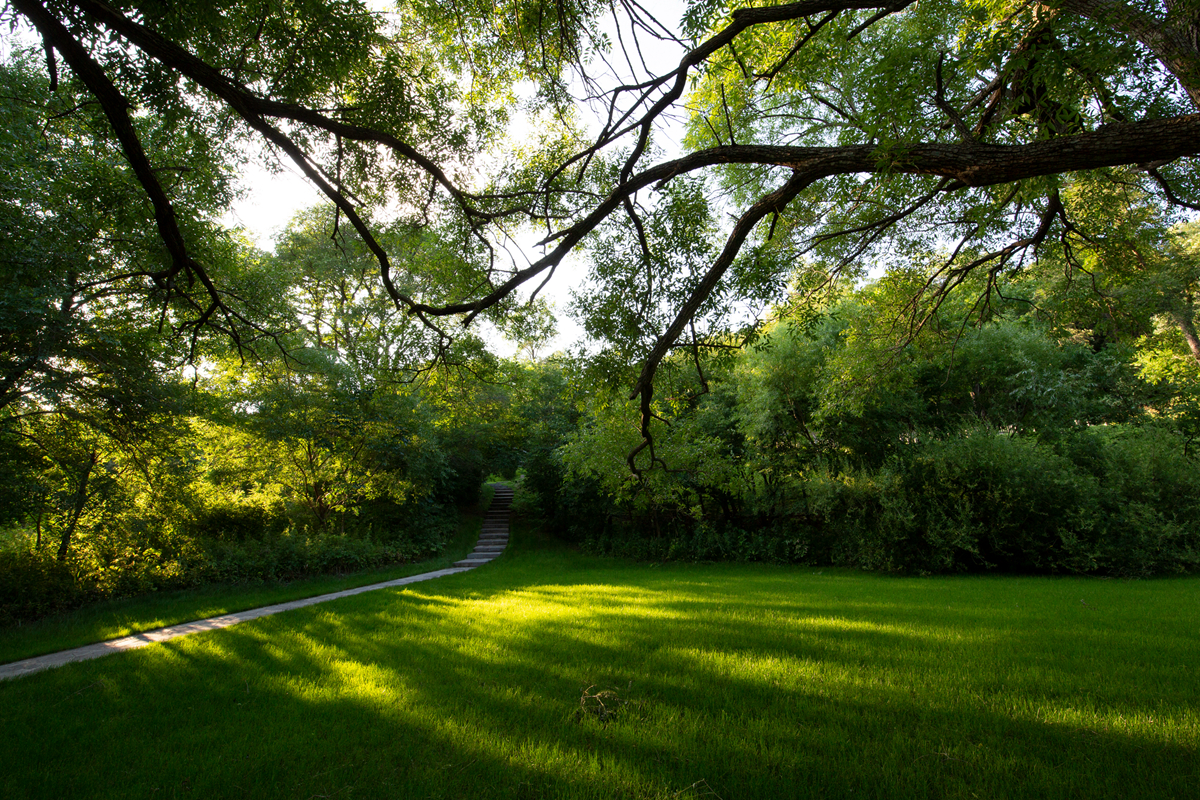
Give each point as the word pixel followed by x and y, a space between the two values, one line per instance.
pixel 743 681
pixel 117 618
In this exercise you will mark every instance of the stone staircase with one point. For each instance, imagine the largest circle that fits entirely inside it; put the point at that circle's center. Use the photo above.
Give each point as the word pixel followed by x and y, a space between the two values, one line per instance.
pixel 493 538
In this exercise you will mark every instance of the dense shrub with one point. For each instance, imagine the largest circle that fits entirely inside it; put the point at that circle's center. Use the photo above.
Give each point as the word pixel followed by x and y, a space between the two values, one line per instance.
pixel 1003 446
pixel 33 584
pixel 291 557
pixel 981 501
pixel 127 561
pixel 1115 500
pixel 1147 509
pixel 993 500
pixel 238 522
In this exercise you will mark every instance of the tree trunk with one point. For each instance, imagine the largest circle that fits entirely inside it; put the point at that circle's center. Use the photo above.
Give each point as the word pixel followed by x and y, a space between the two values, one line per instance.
pixel 1174 39
pixel 1187 325
pixel 80 501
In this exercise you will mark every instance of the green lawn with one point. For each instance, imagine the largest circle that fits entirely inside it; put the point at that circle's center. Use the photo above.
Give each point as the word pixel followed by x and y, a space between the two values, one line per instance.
pixel 117 618
pixel 737 681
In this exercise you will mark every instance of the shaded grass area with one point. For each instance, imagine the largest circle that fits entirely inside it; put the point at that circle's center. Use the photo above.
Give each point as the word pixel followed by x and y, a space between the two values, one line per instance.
pixel 742 681
pixel 117 618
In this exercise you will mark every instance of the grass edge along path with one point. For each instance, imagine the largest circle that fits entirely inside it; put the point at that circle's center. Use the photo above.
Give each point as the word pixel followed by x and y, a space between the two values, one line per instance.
pixel 130 623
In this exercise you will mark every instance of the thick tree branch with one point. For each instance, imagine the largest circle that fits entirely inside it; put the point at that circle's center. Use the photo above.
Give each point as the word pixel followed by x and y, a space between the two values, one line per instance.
pixel 773 203
pixel 743 18
pixel 634 109
pixel 968 163
pixel 249 105
pixel 115 108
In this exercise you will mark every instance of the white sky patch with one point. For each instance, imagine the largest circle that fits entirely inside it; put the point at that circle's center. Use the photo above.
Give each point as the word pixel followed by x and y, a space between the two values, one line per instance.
pixel 269 201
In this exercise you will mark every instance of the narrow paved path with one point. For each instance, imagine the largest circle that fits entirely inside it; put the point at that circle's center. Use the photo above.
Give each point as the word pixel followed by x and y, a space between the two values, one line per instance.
pixel 492 540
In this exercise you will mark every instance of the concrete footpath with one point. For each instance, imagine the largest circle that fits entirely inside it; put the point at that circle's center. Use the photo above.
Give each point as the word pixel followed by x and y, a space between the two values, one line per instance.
pixel 39 663
pixel 497 515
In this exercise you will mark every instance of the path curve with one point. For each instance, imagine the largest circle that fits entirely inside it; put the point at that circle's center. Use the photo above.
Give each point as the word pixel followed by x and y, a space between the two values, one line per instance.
pixel 493 538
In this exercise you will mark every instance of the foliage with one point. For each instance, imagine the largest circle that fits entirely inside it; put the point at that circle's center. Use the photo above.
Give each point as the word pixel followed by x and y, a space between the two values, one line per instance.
pixel 993 447
pixel 819 137
pixel 325 456
pixel 177 406
pixel 999 501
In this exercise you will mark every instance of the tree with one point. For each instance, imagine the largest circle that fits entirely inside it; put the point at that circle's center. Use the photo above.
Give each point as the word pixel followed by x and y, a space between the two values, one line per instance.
pixel 75 321
pixel 839 131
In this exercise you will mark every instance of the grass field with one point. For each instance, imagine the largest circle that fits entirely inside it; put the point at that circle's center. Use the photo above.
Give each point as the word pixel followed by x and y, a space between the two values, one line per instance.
pixel 733 681
pixel 117 618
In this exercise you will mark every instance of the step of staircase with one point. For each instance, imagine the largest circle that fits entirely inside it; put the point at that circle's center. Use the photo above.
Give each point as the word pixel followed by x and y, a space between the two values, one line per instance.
pixel 471 562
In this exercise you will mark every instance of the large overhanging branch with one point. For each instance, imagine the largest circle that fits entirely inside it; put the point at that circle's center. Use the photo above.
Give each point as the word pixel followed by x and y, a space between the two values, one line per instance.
pixel 773 203
pixel 256 112
pixel 970 164
pixel 964 163
pixel 617 126
pixel 967 163
pixel 116 109
pixel 250 105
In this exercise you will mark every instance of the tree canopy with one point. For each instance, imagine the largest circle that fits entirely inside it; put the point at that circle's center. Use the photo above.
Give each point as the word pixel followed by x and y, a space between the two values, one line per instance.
pixel 972 137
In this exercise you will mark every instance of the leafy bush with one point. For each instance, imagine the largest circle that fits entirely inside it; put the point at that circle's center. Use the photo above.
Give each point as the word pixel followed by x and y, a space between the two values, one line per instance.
pixel 1119 501
pixel 231 521
pixel 986 500
pixel 1147 511
pixel 291 557
pixel 127 560
pixel 33 584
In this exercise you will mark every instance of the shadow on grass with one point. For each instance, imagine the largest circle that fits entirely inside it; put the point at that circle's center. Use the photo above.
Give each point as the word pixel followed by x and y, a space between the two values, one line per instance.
pixel 748 683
